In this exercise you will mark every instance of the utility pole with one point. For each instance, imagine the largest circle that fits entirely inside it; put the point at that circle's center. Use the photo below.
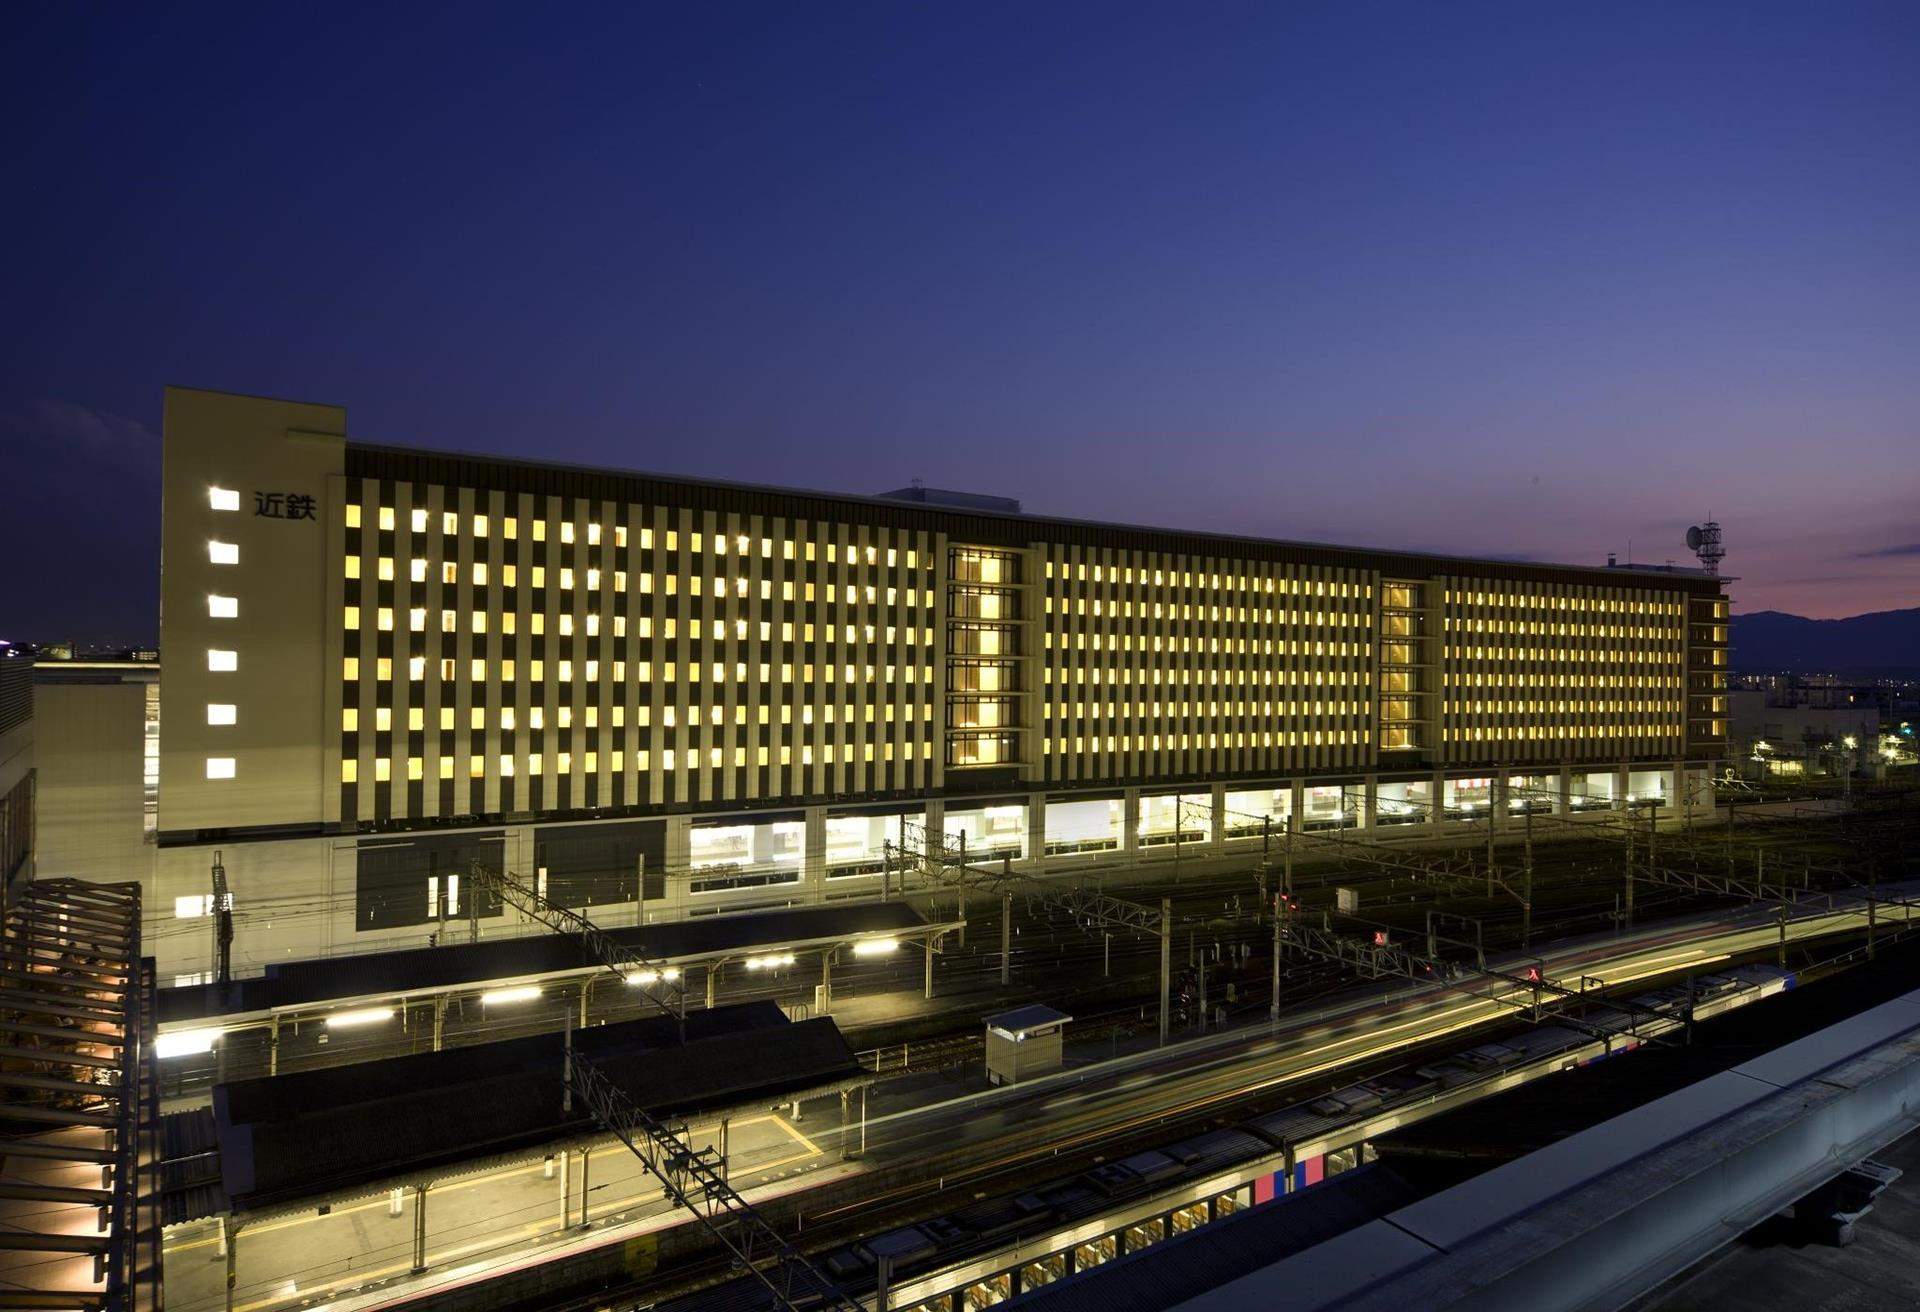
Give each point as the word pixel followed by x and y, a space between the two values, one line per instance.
pixel 1166 964
pixel 1006 938
pixel 1273 1008
pixel 1489 842
pixel 566 1081
pixel 1629 901
pixel 1526 900
pixel 1286 874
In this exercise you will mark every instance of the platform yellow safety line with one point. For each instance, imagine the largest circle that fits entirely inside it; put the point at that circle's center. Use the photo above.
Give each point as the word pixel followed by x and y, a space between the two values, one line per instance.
pixel 504 1173
pixel 812 1148
pixel 531 1228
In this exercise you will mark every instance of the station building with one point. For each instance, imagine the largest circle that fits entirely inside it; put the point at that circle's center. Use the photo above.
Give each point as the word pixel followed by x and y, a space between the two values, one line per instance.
pixel 662 697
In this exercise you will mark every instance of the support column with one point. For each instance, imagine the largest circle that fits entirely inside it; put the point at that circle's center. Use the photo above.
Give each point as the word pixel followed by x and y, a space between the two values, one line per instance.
pixel 566 1188
pixel 419 1228
pixel 1130 823
pixel 273 1047
pixel 1037 830
pixel 826 983
pixel 439 1020
pixel 1369 803
pixel 726 1170
pixel 1217 827
pixel 586 1167
pixel 813 854
pixel 230 1246
pixel 713 973
pixel 846 1139
pixel 927 986
pixel 1563 803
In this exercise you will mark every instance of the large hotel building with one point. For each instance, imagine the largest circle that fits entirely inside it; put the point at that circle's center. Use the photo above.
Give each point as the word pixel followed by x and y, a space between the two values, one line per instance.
pixel 669 697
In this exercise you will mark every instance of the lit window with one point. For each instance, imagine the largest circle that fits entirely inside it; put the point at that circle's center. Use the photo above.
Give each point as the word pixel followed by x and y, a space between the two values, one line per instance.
pixel 353 517
pixel 220 713
pixel 219 767
pixel 349 771
pixel 222 662
pixel 350 667
pixel 353 567
pixel 386 517
pixel 222 608
pixel 419 521
pixel 195 905
pixel 223 498
pixel 223 553
pixel 382 769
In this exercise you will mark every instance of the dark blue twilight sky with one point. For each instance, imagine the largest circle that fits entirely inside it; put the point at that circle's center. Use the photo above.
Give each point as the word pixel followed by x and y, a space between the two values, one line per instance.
pixel 1525 279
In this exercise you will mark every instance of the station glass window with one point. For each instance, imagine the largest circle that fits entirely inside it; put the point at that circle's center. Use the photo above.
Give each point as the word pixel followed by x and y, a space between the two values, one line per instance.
pixel 1169 818
pixel 1405 803
pixel 1079 827
pixel 1251 813
pixel 991 831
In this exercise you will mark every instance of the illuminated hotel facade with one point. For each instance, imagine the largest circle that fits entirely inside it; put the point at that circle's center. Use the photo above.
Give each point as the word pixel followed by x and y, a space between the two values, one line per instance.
pixel 671 697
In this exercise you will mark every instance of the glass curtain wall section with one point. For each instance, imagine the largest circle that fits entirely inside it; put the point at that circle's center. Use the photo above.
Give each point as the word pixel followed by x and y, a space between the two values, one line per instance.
pixel 1405 669
pixel 986 639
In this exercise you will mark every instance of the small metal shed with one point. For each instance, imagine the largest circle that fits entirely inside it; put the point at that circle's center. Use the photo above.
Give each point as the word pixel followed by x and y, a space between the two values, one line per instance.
pixel 1024 1043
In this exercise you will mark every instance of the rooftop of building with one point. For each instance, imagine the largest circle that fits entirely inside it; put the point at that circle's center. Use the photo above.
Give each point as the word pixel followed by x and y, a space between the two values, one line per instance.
pixel 970 517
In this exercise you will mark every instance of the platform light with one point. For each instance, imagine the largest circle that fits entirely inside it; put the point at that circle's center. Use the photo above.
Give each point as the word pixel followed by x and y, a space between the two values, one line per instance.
pixel 223 498
pixel 184 1043
pixel 365 1016
pixel 642 978
pixel 771 961
pixel 519 993
pixel 876 947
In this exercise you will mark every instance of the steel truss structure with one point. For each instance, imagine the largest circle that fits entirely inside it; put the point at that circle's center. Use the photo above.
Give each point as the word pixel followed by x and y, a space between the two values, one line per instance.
pixel 695 1179
pixel 81 1108
pixel 623 961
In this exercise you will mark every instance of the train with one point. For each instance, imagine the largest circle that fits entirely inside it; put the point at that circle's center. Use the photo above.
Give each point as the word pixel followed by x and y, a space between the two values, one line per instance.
pixel 993 1249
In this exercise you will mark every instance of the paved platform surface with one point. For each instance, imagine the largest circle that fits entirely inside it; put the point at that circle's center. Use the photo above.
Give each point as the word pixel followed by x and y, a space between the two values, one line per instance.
pixel 1774 1269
